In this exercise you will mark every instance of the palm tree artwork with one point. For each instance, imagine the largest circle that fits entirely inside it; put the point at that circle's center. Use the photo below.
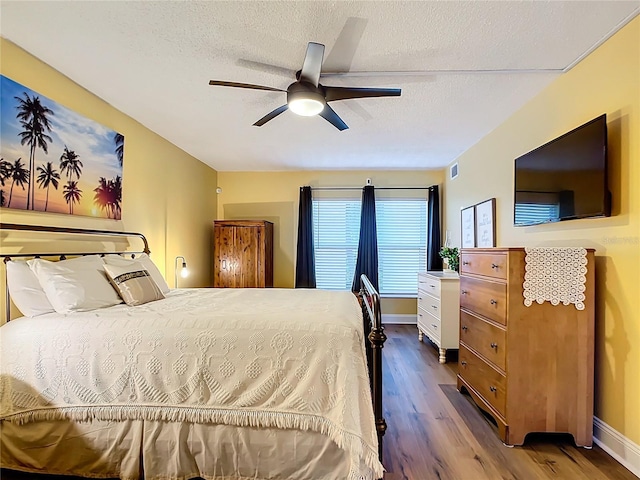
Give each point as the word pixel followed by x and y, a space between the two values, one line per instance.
pixel 19 176
pixel 118 139
pixel 108 196
pixel 61 156
pixel 5 174
pixel 34 118
pixel 72 194
pixel 48 176
pixel 5 171
pixel 70 164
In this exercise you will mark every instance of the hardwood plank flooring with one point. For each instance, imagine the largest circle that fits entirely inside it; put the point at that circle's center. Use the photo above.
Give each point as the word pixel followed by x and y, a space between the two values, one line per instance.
pixel 436 433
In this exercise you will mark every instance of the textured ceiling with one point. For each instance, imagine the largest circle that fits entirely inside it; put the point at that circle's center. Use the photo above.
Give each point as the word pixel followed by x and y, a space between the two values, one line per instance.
pixel 153 61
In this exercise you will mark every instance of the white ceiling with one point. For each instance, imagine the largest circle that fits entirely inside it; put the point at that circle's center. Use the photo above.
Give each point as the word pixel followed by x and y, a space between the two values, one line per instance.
pixel 153 61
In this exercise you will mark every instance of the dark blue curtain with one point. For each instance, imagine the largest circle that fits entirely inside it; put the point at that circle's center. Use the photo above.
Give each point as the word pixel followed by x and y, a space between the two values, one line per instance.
pixel 367 262
pixel 305 259
pixel 434 261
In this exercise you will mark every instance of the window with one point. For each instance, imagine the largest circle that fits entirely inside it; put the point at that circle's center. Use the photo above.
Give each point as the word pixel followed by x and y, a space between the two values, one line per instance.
pixel 402 240
pixel 402 244
pixel 336 230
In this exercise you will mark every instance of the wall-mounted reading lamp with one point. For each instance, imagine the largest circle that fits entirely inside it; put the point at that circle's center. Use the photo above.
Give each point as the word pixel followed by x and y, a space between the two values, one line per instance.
pixel 183 270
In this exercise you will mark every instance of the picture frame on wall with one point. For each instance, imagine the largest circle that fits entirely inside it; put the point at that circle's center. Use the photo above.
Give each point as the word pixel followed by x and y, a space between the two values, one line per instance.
pixel 468 228
pixel 485 224
pixel 55 160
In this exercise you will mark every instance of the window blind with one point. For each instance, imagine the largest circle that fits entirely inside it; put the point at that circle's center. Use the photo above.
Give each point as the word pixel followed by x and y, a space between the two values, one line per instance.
pixel 402 244
pixel 402 240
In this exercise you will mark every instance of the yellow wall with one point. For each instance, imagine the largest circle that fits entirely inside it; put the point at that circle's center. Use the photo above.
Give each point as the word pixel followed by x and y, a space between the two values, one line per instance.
pixel 607 81
pixel 274 196
pixel 168 195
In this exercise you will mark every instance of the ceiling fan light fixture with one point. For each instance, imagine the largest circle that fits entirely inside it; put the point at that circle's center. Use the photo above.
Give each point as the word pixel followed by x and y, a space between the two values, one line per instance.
pixel 306 107
pixel 305 99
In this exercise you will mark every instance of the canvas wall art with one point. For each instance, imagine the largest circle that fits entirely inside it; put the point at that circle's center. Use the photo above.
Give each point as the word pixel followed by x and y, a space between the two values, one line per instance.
pixel 55 160
pixel 486 224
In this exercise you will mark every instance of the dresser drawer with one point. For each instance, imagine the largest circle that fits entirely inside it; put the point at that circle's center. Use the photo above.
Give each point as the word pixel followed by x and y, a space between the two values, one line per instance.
pixel 485 298
pixel 485 338
pixel 487 264
pixel 428 285
pixel 429 304
pixel 430 325
pixel 487 381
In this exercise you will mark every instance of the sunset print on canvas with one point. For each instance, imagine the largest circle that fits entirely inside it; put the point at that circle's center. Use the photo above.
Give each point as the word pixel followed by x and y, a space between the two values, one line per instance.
pixel 55 160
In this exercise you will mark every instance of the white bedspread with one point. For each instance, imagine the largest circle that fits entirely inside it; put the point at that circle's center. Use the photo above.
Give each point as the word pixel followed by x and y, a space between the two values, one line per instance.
pixel 277 358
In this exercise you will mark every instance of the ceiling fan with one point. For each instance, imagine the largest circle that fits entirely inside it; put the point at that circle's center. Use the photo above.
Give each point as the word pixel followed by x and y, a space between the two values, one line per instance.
pixel 307 97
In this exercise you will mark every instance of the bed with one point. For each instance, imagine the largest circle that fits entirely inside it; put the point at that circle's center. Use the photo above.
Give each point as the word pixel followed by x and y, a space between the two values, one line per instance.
pixel 211 383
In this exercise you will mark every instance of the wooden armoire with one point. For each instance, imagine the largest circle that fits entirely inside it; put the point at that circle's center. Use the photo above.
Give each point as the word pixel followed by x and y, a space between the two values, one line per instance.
pixel 242 253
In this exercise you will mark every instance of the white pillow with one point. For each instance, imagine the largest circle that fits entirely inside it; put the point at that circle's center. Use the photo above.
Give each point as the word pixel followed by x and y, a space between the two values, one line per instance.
pixel 147 264
pixel 79 284
pixel 133 283
pixel 25 290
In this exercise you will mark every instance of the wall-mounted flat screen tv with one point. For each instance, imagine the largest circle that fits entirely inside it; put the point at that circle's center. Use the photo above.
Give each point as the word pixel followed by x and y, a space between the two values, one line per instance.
pixel 565 178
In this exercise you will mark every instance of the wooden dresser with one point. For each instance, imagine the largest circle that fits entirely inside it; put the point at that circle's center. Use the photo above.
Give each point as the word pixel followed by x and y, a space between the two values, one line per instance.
pixel 439 310
pixel 530 368
pixel 242 253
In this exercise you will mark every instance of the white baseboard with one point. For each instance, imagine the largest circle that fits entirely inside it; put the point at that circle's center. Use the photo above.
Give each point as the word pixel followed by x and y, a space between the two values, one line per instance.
pixel 617 445
pixel 399 318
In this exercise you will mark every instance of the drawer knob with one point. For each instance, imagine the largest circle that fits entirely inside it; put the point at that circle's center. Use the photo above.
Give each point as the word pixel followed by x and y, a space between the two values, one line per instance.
pixel 465 328
pixel 465 262
pixel 494 302
pixel 463 292
pixel 432 286
pixel 419 298
pixel 434 325
pixel 493 389
pixel 434 306
pixel 494 265
pixel 463 363
pixel 494 345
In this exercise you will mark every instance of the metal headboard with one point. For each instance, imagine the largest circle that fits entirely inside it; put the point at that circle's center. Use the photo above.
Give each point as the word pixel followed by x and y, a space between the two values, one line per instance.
pixel 6 257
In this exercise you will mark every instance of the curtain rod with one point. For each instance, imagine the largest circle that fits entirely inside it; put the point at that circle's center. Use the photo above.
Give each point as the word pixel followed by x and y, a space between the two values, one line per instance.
pixel 377 188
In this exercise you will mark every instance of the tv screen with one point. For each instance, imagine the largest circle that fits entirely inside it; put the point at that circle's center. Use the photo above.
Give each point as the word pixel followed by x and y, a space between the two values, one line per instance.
pixel 565 178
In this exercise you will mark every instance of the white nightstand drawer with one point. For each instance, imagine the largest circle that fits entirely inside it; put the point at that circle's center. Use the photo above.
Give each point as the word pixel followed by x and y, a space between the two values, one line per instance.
pixel 429 304
pixel 428 285
pixel 430 325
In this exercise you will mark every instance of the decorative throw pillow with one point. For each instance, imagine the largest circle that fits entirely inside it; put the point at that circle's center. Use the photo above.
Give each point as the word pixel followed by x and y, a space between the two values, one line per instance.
pixel 133 283
pixel 25 290
pixel 147 264
pixel 78 284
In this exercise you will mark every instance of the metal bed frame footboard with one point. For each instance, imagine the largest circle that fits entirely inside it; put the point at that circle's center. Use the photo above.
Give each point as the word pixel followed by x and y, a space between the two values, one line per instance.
pixel 374 331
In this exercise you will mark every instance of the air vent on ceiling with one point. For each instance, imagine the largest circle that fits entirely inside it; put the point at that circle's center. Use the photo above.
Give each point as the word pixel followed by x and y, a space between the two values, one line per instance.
pixel 453 171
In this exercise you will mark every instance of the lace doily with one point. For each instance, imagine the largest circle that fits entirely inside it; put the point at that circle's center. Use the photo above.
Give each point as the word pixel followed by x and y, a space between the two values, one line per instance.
pixel 556 275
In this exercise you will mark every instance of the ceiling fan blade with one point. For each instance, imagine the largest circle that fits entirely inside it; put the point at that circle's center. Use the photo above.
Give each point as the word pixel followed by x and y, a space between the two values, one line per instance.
pixel 266 67
pixel 344 93
pixel 341 55
pixel 332 117
pixel 271 115
pixel 243 85
pixel 312 63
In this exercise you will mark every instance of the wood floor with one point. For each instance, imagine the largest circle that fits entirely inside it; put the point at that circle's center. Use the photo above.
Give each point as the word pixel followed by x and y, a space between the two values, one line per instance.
pixel 434 432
